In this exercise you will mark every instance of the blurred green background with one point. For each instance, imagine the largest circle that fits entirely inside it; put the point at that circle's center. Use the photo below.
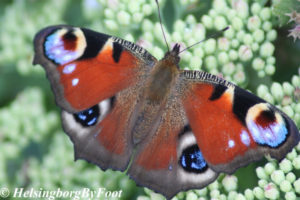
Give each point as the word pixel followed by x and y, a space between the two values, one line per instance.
pixel 255 53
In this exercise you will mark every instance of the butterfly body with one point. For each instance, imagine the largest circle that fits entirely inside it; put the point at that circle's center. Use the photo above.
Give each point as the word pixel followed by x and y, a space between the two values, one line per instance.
pixel 179 128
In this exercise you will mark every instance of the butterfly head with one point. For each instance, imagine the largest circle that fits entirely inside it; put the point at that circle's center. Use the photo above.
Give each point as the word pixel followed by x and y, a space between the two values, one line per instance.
pixel 172 57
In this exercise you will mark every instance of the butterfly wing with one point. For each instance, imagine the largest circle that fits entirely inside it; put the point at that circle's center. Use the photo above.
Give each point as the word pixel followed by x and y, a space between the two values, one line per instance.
pixel 96 80
pixel 232 126
pixel 169 160
pixel 86 67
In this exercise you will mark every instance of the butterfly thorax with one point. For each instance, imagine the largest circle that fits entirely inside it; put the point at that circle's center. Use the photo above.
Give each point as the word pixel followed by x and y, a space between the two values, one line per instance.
pixel 163 76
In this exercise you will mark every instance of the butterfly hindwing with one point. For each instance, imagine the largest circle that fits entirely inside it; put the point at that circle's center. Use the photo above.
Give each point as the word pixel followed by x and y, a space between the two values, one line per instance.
pixel 169 160
pixel 233 127
pixel 86 67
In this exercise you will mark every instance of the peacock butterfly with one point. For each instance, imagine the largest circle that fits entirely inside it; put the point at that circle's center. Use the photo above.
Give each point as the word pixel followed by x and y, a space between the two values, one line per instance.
pixel 172 129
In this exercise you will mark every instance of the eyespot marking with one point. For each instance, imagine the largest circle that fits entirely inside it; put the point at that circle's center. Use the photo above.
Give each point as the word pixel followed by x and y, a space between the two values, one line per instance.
pixel 266 126
pixel 64 45
pixel 191 160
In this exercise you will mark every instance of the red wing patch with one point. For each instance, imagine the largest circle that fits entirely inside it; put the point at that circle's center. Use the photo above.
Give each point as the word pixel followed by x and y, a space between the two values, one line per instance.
pixel 86 82
pixel 220 134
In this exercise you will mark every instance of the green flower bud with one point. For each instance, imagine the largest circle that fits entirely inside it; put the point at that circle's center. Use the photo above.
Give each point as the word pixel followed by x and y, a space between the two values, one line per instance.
pixel 271 60
pixel 258 63
pixel 179 26
pixel 223 57
pixel 233 55
pixel 137 17
pixel 235 43
pixel 229 183
pixel 176 36
pixel 237 23
pixel 231 14
pixel 297 108
pixel 245 53
pixel 202 192
pixel 134 7
pixel 285 165
pixel 123 18
pixel 240 197
pixel 255 46
pixel 277 176
pixel 291 177
pixel 290 196
pixel 148 26
pixel 265 14
pixel 232 195
pixel 191 195
pixel 285 186
pixel 262 90
pixel 271 35
pixel 239 77
pixel 207 21
pixel 199 32
pixel 240 35
pixel 262 183
pixel 247 39
pixel 212 13
pixel 241 8
pixel 269 168
pixel 229 33
pixel 258 35
pixel 223 44
pixel 219 5
pixel 215 193
pixel 147 9
pixel 159 53
pixel 258 193
pixel 288 89
pixel 296 185
pixel 187 56
pixel 228 68
pixel 288 110
pixel 211 62
pixel 191 19
pixel 276 91
pixel 296 81
pixel 267 26
pixel 270 69
pixel 210 46
pixel 261 74
pixel 249 194
pixel 214 185
pixel 261 173
pixel 255 8
pixel 111 25
pixel 267 49
pixel 109 13
pixel 198 51
pixel 253 23
pixel 296 162
pixel 196 62
pixel 271 192
pixel 220 22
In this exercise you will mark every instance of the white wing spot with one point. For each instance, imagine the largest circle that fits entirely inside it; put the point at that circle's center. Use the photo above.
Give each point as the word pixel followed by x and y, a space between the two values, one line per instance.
pixel 231 143
pixel 68 69
pixel 75 81
pixel 245 138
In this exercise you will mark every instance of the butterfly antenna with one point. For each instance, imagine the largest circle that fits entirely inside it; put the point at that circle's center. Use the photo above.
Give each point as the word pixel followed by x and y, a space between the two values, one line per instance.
pixel 162 29
pixel 211 36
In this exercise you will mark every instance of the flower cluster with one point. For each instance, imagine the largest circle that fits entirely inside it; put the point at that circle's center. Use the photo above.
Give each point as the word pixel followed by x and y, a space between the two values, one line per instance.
pixel 36 153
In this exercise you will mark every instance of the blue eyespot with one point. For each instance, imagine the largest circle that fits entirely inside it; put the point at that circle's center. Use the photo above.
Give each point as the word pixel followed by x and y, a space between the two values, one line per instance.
pixel 88 117
pixel 192 160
